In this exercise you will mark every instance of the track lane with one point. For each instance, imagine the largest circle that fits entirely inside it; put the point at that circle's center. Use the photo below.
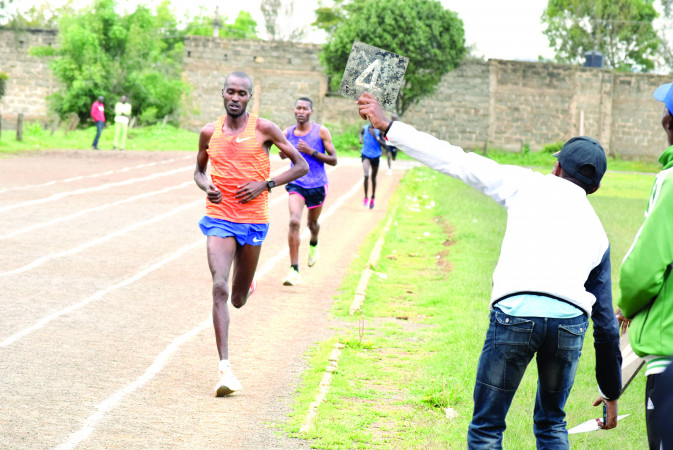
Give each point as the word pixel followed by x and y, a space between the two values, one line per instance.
pixel 88 354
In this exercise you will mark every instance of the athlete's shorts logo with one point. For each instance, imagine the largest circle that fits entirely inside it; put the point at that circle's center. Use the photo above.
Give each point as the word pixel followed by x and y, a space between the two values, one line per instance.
pixel 239 140
pixel 255 239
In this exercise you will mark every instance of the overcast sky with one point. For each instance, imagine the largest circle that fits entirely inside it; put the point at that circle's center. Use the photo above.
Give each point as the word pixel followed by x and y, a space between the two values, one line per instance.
pixel 503 29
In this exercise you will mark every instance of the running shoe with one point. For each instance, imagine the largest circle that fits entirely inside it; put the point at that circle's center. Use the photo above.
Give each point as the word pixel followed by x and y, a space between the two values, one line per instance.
pixel 313 255
pixel 293 278
pixel 371 203
pixel 366 202
pixel 227 384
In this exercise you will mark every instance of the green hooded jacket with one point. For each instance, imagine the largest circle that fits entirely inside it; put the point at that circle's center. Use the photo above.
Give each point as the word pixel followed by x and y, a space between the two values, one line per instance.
pixel 645 281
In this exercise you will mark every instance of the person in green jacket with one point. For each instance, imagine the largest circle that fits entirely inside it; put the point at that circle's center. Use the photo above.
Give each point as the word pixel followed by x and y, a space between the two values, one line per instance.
pixel 647 287
pixel 122 115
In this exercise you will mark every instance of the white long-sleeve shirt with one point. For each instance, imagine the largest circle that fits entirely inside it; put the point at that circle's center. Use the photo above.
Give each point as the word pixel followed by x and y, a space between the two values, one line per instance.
pixel 554 238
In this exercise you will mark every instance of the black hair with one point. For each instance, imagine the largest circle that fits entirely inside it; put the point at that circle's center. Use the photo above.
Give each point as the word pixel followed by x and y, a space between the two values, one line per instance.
pixel 239 74
pixel 305 99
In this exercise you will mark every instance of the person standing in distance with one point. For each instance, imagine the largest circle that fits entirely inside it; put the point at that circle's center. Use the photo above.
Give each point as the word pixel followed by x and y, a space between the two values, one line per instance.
pixel 122 115
pixel 646 286
pixel 552 274
pixel 98 117
pixel 315 143
pixel 237 208
pixel 391 150
pixel 372 142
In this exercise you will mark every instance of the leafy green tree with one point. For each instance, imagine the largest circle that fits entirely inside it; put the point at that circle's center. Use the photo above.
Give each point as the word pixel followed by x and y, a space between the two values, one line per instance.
pixel 103 53
pixel 244 27
pixel 278 20
pixel 430 36
pixel 619 29
pixel 329 18
pixel 666 34
pixel 4 13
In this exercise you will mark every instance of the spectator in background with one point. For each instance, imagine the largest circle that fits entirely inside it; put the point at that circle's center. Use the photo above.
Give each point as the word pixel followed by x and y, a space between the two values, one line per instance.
pixel 647 289
pixel 122 115
pixel 98 116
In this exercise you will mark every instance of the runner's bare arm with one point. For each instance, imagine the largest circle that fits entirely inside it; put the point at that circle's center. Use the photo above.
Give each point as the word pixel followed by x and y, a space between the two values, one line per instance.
pixel 200 177
pixel 273 136
pixel 329 157
pixel 269 133
pixel 281 154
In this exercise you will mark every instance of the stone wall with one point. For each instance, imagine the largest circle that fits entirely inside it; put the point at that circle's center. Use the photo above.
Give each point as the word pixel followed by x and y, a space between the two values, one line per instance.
pixel 30 79
pixel 280 72
pixel 493 104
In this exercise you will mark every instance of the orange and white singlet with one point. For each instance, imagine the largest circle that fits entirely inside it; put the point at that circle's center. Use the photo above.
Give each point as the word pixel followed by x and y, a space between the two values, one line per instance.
pixel 235 160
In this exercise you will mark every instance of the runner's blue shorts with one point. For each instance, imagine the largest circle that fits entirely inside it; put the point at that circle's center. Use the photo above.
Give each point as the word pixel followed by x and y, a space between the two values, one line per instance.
pixel 313 197
pixel 245 233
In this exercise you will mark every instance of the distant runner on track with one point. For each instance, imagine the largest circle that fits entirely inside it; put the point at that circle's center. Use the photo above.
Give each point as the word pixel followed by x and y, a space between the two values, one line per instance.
pixel 237 208
pixel 315 143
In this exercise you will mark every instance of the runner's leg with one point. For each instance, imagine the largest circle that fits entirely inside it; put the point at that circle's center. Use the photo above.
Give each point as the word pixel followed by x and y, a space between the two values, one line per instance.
pixel 312 222
pixel 366 166
pixel 221 253
pixel 296 204
pixel 245 265
pixel 375 171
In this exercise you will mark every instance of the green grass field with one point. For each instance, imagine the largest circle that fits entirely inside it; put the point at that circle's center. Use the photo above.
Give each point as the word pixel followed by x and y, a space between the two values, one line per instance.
pixel 413 352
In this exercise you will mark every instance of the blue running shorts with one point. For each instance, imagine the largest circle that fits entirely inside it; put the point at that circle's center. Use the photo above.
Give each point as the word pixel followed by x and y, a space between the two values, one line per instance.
pixel 245 233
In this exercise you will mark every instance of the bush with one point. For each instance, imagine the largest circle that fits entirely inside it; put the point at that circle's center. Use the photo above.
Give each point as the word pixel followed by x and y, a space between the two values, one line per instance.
pixel 149 116
pixel 552 148
pixel 3 83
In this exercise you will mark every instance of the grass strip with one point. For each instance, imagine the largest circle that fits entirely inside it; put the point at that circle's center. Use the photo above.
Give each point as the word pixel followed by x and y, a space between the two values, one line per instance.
pixel 413 352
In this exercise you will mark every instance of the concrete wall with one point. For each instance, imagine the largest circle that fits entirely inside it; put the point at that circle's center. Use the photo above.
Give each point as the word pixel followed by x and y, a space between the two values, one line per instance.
pixel 280 72
pixel 493 104
pixel 30 79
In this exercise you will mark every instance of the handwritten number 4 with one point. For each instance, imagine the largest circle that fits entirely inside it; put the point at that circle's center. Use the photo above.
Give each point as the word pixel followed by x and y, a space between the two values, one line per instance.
pixel 375 70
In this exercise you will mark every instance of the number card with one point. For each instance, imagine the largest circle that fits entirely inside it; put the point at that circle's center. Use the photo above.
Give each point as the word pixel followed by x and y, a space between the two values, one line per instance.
pixel 376 71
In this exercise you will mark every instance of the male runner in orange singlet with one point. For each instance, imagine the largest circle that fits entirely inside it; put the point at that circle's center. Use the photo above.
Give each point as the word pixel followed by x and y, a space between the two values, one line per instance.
pixel 237 209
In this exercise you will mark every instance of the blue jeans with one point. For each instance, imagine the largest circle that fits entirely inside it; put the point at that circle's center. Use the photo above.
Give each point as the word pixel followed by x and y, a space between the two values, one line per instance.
pixel 99 129
pixel 510 344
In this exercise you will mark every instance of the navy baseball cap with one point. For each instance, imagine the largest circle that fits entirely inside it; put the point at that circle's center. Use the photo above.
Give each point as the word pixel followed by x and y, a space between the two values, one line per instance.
pixel 664 93
pixel 583 158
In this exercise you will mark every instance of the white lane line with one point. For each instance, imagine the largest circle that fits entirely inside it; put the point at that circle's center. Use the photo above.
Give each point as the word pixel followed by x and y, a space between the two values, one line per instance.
pixel 107 237
pixel 42 322
pixel 82 212
pixel 45 320
pixel 157 366
pixel 98 295
pixel 94 175
pixel 283 253
pixel 101 187
pixel 102 207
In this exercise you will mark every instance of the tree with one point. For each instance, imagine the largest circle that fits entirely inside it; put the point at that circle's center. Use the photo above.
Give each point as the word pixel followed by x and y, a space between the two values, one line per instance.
pixel 103 53
pixel 4 14
pixel 620 29
pixel 422 30
pixel 276 20
pixel 244 27
pixel 666 35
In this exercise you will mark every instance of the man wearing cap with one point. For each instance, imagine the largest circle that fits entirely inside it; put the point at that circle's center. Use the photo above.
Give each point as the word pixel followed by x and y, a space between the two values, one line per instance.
pixel 553 273
pixel 647 287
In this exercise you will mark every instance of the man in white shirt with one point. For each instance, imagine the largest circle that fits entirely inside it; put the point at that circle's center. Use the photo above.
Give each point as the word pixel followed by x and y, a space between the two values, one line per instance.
pixel 122 115
pixel 553 272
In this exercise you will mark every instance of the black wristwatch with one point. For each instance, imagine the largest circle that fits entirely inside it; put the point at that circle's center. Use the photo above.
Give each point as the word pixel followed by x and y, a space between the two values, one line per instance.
pixel 315 153
pixel 270 184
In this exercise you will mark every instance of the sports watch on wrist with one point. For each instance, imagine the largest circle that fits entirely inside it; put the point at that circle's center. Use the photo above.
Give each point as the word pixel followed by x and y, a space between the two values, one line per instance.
pixel 315 153
pixel 270 184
